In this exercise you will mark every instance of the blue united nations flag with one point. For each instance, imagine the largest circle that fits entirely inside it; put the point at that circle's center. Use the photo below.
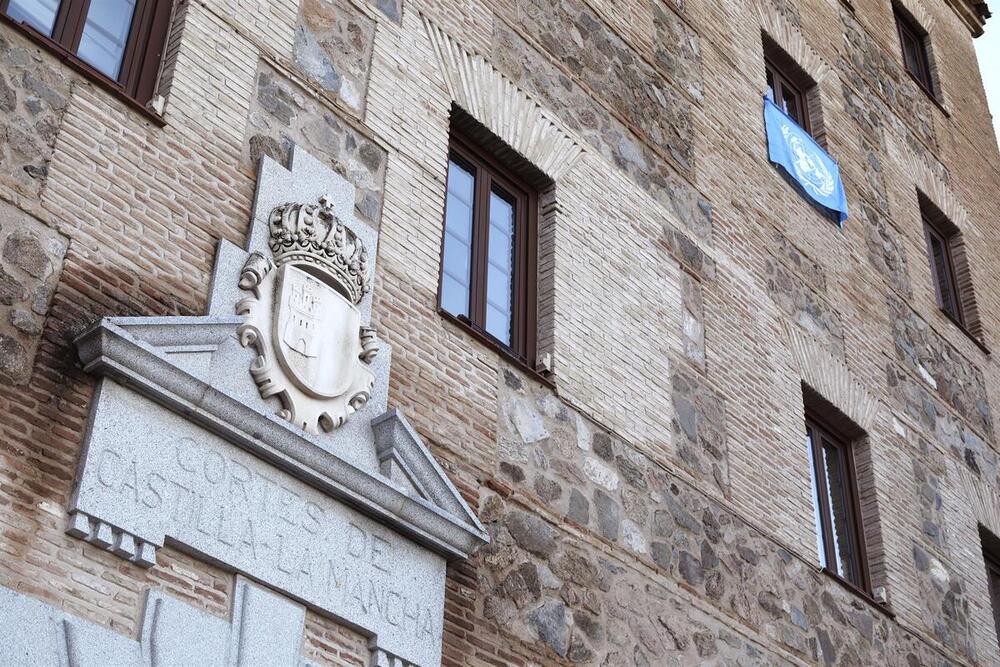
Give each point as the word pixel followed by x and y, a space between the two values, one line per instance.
pixel 805 161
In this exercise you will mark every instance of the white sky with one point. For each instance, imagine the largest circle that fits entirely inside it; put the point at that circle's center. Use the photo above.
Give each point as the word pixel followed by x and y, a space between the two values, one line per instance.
pixel 988 50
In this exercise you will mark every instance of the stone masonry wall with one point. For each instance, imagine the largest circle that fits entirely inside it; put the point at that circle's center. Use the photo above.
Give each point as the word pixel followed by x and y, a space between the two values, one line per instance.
pixel 649 503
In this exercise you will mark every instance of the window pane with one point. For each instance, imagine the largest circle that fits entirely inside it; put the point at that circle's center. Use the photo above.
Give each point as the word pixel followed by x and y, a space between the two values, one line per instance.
pixel 105 34
pixel 911 55
pixel 838 490
pixel 770 84
pixel 817 516
pixel 500 274
pixel 942 269
pixel 458 259
pixel 993 572
pixel 454 296
pixel 456 278
pixel 39 14
pixel 791 104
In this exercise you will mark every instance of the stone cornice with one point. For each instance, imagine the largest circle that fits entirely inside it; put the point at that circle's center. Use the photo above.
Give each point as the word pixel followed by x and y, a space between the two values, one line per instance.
pixel 972 12
pixel 124 349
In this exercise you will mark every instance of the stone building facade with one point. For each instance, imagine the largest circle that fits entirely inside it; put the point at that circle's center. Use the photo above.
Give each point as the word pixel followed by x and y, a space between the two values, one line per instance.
pixel 644 485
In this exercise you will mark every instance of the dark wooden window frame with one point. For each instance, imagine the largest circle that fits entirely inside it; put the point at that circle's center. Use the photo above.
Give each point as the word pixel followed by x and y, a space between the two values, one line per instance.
pixel 991 557
pixel 948 280
pixel 487 171
pixel 781 82
pixel 993 572
pixel 140 66
pixel 821 431
pixel 910 33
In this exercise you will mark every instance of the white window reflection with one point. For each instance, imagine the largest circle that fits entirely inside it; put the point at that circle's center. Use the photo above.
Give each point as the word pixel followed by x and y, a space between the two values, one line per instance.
pixel 105 35
pixel 500 275
pixel 817 520
pixel 456 278
pixel 838 499
pixel 39 14
pixel 834 507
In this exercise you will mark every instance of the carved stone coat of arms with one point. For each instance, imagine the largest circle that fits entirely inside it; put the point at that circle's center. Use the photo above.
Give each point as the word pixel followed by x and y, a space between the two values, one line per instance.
pixel 313 351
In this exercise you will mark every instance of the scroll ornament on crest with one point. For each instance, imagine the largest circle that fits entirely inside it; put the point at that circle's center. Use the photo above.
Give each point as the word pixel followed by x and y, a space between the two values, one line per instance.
pixel 313 353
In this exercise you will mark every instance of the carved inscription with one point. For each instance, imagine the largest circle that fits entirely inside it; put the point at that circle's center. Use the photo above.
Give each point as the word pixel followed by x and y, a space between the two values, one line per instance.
pixel 247 511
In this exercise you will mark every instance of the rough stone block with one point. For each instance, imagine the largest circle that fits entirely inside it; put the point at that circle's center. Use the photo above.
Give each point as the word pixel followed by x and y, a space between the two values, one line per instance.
pixel 283 115
pixel 31 258
pixel 948 373
pixel 333 47
pixel 34 95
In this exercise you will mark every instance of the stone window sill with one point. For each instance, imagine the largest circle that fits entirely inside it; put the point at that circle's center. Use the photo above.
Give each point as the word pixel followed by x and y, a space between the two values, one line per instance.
pixel 864 596
pixel 929 93
pixel 75 63
pixel 498 347
pixel 961 327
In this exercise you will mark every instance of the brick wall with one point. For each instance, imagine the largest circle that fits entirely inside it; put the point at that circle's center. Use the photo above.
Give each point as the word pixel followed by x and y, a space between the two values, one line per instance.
pixel 653 505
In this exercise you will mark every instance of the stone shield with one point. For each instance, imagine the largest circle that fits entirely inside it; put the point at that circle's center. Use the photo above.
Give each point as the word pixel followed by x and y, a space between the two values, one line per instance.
pixel 316 333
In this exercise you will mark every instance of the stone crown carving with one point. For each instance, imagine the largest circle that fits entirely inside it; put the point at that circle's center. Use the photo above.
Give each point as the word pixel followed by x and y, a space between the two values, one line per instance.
pixel 312 234
pixel 313 351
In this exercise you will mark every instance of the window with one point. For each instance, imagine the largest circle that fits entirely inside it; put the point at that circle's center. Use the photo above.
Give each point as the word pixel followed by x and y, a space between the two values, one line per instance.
pixel 792 89
pixel 786 94
pixel 912 38
pixel 991 555
pixel 951 270
pixel 119 40
pixel 939 249
pixel 488 259
pixel 836 506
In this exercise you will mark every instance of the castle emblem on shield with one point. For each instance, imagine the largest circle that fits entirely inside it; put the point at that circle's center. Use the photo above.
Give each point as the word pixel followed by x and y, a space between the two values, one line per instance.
pixel 313 353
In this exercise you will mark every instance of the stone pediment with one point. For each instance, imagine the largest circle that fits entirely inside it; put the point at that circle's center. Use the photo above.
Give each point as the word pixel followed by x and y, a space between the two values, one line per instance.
pixel 259 435
pixel 176 362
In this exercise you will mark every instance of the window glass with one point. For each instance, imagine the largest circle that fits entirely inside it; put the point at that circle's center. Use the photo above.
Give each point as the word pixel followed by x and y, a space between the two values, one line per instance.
pixel 105 35
pixel 943 271
pixel 39 14
pixel 915 57
pixel 785 95
pixel 836 515
pixel 500 275
pixel 817 518
pixel 488 257
pixel 841 520
pixel 911 54
pixel 790 102
pixel 456 278
pixel 121 42
pixel 993 575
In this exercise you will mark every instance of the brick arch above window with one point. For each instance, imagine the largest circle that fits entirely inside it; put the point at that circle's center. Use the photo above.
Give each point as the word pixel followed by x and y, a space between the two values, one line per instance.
pixel 938 202
pixel 916 9
pixel 829 377
pixel 784 42
pixel 983 500
pixel 792 42
pixel 488 97
pixel 939 194
pixel 914 13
